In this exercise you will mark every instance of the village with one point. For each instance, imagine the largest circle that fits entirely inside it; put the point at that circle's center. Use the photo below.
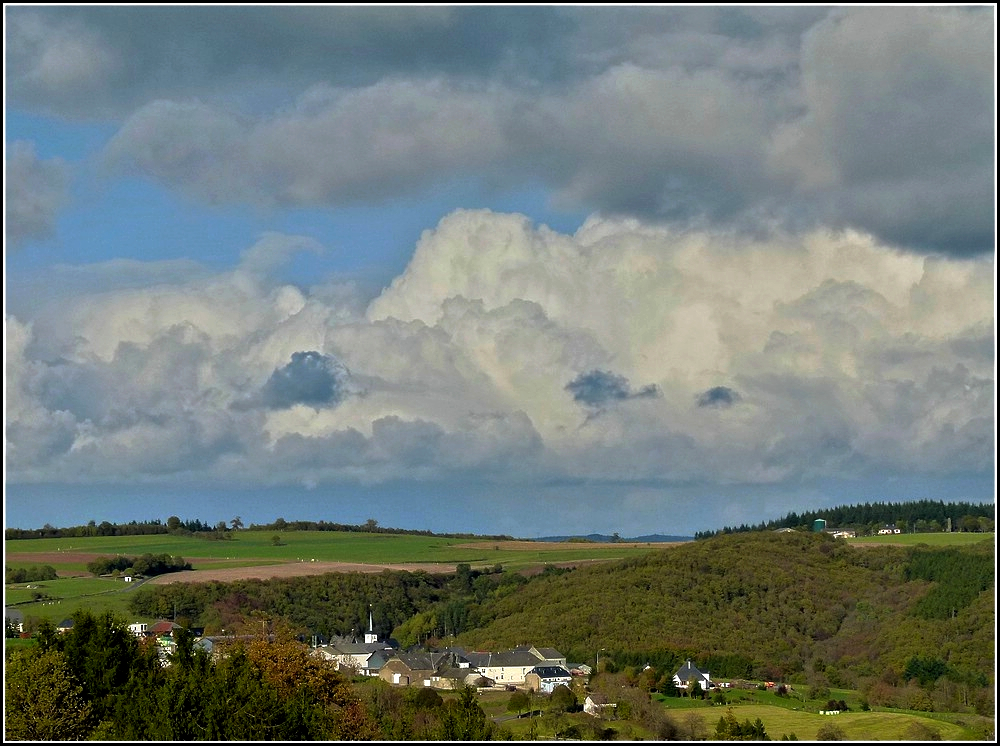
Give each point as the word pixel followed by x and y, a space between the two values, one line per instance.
pixel 528 668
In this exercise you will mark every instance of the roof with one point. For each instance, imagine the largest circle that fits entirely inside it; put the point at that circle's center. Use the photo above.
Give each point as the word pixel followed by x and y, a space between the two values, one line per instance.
pixel 551 672
pixel 357 648
pixel 505 659
pixel 161 627
pixel 550 653
pixel 685 672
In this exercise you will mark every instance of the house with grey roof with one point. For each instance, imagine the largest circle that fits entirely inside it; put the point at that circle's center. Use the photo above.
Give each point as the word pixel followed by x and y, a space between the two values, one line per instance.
pixel 14 619
pixel 425 668
pixel 598 705
pixel 360 657
pixel 365 658
pixel 545 679
pixel 511 666
pixel 548 656
pixel 689 671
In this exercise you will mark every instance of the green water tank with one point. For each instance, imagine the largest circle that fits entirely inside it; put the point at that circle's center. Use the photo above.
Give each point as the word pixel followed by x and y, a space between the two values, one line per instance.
pixel 819 524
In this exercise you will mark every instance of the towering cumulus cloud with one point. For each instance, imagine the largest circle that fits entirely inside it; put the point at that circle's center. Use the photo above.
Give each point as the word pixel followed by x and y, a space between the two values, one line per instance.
pixel 760 361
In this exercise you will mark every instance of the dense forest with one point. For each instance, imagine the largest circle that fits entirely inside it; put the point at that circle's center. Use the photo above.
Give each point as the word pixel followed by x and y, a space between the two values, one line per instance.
pixel 412 606
pixel 918 516
pixel 793 606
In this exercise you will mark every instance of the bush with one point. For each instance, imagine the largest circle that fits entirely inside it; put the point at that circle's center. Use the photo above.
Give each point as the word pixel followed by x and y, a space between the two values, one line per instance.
pixel 831 732
pixel 30 574
pixel 562 699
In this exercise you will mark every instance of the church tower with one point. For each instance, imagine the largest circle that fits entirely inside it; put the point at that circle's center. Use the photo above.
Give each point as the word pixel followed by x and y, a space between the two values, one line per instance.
pixel 370 636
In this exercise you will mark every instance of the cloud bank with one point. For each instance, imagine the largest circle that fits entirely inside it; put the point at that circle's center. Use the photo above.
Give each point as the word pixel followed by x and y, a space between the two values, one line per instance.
pixel 875 119
pixel 756 362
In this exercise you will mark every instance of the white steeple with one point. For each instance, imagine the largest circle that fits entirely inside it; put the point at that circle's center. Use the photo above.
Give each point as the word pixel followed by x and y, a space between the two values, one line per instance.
pixel 370 636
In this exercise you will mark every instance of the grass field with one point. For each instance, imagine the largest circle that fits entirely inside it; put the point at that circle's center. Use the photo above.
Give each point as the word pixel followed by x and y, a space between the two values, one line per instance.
pixel 326 546
pixel 935 540
pixel 857 726
pixel 795 714
pixel 62 597
pixel 255 548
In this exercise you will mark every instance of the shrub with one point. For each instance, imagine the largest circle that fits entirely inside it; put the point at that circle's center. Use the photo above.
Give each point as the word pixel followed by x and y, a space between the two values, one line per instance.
pixel 831 732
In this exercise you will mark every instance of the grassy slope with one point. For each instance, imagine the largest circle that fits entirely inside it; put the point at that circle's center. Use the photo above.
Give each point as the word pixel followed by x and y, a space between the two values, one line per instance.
pixel 858 726
pixel 954 538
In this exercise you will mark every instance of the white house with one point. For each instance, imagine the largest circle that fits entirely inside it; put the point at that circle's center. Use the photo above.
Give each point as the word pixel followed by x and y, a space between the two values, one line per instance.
pixel 511 666
pixel 14 618
pixel 687 672
pixel 597 704
pixel 546 678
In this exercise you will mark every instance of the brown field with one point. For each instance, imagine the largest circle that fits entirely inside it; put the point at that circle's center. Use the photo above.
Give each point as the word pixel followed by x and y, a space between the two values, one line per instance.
pixel 286 570
pixel 52 558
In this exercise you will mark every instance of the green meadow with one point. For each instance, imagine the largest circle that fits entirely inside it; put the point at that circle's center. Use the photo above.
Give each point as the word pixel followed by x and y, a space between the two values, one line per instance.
pixel 58 599
pixel 783 716
pixel 857 726
pixel 955 538
pixel 259 547
pixel 248 548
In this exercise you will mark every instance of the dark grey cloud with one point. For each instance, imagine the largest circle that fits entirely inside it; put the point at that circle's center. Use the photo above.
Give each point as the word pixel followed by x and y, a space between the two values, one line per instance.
pixel 597 388
pixel 876 119
pixel 96 60
pixel 718 396
pixel 36 191
pixel 310 378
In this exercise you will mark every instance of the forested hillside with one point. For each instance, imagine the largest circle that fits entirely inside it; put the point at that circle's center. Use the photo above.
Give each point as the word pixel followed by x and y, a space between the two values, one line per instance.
pixel 774 605
pixel 798 606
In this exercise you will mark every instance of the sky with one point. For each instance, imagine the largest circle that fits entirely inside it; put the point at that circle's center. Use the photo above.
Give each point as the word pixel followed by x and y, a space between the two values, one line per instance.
pixel 526 270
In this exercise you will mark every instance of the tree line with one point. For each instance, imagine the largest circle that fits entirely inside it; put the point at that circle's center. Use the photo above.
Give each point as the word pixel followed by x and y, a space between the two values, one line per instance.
pixel 29 574
pixel 221 529
pixel 920 516
pixel 147 564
